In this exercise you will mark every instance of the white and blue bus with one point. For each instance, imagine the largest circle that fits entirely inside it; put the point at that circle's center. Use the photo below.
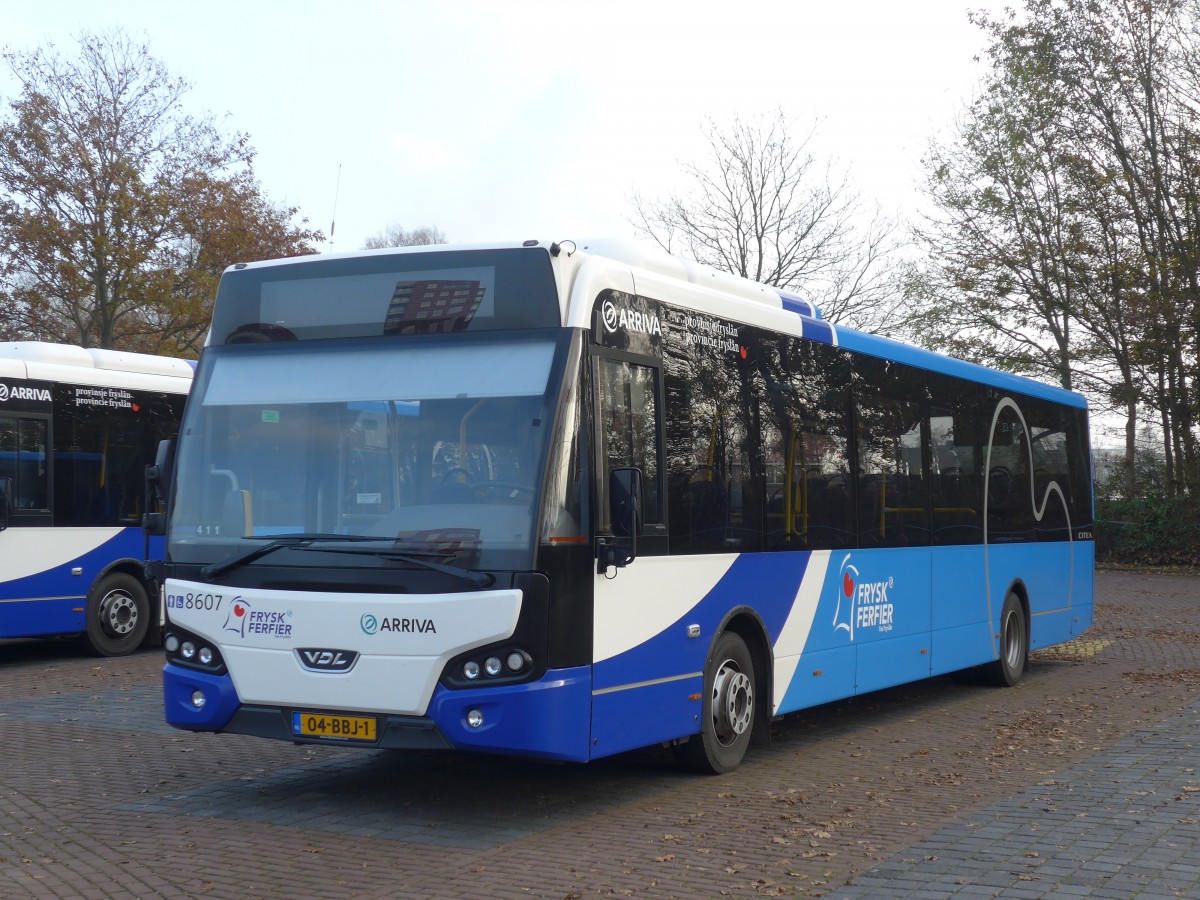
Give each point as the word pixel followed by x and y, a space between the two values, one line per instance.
pixel 77 429
pixel 563 501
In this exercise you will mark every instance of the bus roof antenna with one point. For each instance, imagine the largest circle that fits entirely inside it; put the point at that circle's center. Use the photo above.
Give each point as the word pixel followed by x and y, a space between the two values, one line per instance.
pixel 333 221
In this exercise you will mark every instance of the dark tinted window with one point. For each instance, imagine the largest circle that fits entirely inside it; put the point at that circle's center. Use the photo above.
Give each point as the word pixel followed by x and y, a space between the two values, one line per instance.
pixel 1023 460
pixel 23 460
pixel 806 446
pixel 713 473
pixel 892 491
pixel 103 440
pixel 628 413
pixel 1050 441
pixel 958 440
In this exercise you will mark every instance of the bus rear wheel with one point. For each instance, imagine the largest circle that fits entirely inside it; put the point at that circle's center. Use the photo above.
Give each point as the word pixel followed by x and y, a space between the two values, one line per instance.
pixel 727 717
pixel 118 615
pixel 1007 670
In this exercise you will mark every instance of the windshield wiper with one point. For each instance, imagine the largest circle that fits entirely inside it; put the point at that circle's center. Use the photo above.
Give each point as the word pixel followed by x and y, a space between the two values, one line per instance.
pixel 211 571
pixel 478 579
pixel 306 541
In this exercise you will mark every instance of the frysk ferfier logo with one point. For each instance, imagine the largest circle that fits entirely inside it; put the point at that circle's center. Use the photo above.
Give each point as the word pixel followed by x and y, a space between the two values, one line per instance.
pixel 862 604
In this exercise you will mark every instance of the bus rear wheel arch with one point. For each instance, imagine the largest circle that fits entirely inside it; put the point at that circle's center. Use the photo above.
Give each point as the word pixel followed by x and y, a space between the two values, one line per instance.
pixel 729 710
pixel 1013 646
pixel 118 615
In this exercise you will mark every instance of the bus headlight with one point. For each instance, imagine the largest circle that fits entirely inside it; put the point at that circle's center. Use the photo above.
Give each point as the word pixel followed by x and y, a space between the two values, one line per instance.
pixel 187 649
pixel 503 665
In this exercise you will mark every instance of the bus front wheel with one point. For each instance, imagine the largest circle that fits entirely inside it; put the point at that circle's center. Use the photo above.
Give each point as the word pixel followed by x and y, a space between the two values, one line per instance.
pixel 118 615
pixel 1007 670
pixel 727 717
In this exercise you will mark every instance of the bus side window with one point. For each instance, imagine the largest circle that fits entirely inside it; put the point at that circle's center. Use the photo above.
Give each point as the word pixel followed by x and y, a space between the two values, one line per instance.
pixel 893 508
pixel 957 449
pixel 627 408
pixel 23 459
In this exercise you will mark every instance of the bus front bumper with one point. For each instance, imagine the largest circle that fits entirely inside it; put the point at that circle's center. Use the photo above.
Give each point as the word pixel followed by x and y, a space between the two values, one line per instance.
pixel 547 719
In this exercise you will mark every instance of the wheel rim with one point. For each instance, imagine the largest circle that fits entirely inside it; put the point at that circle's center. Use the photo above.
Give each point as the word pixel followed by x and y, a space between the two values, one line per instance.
pixel 1013 641
pixel 733 703
pixel 118 613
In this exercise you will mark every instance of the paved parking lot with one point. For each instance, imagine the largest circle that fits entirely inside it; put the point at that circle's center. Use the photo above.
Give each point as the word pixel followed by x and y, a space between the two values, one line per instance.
pixel 1085 779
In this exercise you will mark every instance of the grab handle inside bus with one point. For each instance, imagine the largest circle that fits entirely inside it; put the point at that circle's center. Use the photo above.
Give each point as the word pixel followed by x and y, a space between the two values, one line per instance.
pixel 625 514
pixel 6 491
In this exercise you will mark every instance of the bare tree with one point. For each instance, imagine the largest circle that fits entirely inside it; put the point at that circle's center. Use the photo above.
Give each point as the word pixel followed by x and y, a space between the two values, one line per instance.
pixel 397 236
pixel 761 207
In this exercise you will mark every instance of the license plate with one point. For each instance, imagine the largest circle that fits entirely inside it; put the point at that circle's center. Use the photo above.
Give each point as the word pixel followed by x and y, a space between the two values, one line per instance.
pixel 338 728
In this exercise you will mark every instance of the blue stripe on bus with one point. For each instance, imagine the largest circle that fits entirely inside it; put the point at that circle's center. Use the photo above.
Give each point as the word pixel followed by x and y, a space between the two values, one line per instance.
pixel 870 627
pixel 795 304
pixel 873 345
pixel 821 332
pixel 765 582
pixel 653 691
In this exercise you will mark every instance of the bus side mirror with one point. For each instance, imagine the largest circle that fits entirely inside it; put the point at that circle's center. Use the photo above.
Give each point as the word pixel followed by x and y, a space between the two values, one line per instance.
pixel 625 502
pixel 6 491
pixel 625 514
pixel 158 484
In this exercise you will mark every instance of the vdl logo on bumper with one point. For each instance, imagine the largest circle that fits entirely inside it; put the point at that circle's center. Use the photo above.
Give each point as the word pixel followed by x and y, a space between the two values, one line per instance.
pixel 318 659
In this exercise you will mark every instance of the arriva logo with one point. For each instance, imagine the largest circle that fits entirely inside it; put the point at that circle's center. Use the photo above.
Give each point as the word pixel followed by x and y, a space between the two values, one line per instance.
pixel 862 604
pixel 23 393
pixel 396 624
pixel 634 321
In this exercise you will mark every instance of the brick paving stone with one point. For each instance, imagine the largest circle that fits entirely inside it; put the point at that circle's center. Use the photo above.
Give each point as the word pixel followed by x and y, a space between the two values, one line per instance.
pixel 938 789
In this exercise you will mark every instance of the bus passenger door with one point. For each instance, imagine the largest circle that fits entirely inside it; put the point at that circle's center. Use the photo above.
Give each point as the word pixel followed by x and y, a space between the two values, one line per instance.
pixel 639 686
pixel 887 582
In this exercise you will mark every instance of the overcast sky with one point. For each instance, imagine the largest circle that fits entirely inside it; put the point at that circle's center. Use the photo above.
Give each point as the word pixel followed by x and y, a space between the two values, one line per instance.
pixel 534 119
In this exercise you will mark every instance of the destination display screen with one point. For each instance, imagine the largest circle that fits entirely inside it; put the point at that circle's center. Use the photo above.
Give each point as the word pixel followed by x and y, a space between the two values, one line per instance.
pixel 387 294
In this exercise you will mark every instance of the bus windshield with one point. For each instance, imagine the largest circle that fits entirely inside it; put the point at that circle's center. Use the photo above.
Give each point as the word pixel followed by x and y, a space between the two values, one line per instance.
pixel 432 445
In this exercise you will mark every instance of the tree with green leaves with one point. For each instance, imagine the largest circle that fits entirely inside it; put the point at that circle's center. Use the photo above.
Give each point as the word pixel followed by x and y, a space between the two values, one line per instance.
pixel 118 209
pixel 1065 238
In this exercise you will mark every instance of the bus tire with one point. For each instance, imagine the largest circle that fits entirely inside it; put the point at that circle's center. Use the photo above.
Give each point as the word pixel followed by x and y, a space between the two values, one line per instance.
pixel 727 716
pixel 1007 670
pixel 118 615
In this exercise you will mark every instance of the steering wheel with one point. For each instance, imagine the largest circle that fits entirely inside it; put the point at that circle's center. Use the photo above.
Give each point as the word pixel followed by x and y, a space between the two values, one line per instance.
pixel 457 470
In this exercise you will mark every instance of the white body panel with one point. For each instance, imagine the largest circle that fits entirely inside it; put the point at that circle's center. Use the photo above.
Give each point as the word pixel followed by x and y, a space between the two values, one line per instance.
pixel 644 599
pixel 42 361
pixel 404 641
pixel 796 628
pixel 31 551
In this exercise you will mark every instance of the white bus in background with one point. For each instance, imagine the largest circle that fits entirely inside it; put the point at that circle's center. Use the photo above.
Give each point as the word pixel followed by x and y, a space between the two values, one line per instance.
pixel 77 429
